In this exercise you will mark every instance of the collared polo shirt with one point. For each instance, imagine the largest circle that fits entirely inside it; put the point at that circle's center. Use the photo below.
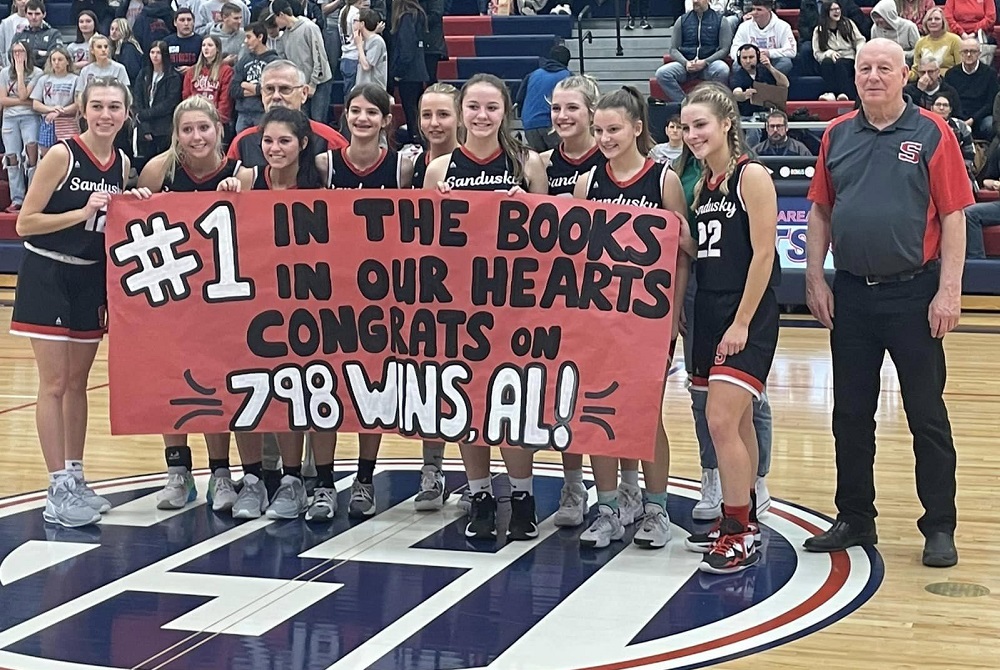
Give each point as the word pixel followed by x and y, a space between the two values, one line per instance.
pixel 888 190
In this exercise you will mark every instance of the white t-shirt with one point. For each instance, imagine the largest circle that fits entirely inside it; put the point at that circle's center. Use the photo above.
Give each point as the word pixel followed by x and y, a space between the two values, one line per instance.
pixel 8 84
pixel 348 49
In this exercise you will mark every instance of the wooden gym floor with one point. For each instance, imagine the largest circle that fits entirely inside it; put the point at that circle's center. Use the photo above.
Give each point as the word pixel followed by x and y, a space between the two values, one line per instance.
pixel 902 626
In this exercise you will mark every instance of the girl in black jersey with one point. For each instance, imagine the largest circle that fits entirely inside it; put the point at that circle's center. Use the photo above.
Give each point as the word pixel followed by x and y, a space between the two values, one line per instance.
pixel 492 159
pixel 736 312
pixel 629 178
pixel 61 293
pixel 439 113
pixel 572 105
pixel 194 162
pixel 284 139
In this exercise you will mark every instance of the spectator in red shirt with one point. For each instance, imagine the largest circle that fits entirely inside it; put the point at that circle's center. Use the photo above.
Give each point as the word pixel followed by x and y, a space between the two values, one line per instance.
pixel 210 78
pixel 967 17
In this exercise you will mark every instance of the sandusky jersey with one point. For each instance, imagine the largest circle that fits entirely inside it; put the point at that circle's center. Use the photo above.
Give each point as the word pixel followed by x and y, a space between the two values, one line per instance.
pixel 185 182
pixel 384 173
pixel 644 189
pixel 563 171
pixel 494 173
pixel 84 175
pixel 420 163
pixel 724 247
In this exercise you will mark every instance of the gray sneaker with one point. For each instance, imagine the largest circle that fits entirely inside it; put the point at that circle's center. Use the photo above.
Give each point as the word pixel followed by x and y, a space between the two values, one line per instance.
pixel 465 502
pixel 324 505
pixel 654 532
pixel 362 503
pixel 629 503
pixel 252 499
pixel 432 493
pixel 65 506
pixel 102 505
pixel 289 500
pixel 221 491
pixel 572 506
pixel 179 490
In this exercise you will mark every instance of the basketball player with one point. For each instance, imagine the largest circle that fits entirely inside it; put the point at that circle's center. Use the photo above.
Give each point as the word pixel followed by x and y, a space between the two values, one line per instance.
pixel 194 162
pixel 621 126
pixel 285 136
pixel 736 313
pixel 573 101
pixel 363 164
pixel 61 295
pixel 492 159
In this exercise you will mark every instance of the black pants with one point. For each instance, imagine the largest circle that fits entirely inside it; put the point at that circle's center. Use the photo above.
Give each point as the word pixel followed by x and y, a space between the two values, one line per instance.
pixel 839 76
pixel 870 320
pixel 409 98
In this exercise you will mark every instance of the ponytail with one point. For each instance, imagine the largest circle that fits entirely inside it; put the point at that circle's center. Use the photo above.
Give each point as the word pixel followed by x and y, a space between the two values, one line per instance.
pixel 630 101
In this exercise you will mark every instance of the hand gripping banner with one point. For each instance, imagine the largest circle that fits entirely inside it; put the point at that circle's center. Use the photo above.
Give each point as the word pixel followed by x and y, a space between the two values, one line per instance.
pixel 475 317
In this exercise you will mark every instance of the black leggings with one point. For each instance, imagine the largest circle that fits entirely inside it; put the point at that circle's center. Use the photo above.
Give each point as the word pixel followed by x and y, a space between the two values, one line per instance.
pixel 638 9
pixel 409 98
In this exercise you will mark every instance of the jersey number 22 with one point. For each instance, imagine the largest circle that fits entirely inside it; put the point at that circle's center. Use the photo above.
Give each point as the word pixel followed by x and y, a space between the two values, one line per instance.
pixel 708 236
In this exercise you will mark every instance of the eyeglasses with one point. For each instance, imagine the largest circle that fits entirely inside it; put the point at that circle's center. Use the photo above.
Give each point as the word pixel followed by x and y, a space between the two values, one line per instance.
pixel 775 126
pixel 935 70
pixel 970 52
pixel 283 90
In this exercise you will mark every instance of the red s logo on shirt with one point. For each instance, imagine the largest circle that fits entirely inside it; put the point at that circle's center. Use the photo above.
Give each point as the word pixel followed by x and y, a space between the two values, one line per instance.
pixel 909 152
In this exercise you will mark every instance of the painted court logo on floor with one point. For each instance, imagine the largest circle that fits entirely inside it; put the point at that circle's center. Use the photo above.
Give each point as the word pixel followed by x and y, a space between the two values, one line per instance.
pixel 401 590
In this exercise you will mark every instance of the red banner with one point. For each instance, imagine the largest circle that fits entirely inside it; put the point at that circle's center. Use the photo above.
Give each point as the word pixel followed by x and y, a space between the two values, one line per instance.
pixel 532 321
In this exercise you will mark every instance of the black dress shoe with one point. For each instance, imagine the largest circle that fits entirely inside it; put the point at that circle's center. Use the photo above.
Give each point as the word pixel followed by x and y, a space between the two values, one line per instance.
pixel 840 536
pixel 940 551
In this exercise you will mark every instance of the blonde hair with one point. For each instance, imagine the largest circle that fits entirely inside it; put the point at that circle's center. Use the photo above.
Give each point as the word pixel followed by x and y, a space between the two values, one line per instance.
pixel 93 40
pixel 59 49
pixel 195 103
pixel 584 84
pixel 722 104
pixel 633 105
pixel 441 88
pixel 515 150
pixel 125 30
pixel 935 10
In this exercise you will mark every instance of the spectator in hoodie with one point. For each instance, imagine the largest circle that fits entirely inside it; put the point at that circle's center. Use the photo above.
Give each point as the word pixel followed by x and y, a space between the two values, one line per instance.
pixel 125 49
pixel 915 10
pixel 229 32
pixel 967 17
pixel 929 85
pixel 185 44
pixel 86 27
pixel 39 36
pixel 533 97
pixel 154 23
pixel 700 41
pixel 836 41
pixel 373 59
pixel 778 143
pixel 209 13
pixel 768 33
pixel 211 79
pixel 891 26
pixel 157 93
pixel 11 26
pixel 409 67
pixel 977 88
pixel 943 46
pixel 303 44
pixel 245 89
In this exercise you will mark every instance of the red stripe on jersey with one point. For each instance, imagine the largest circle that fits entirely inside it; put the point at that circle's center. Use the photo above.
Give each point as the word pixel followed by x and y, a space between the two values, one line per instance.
pixel 949 182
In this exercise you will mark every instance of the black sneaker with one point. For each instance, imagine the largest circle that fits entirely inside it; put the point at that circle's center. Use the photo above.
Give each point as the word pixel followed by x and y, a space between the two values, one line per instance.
pixel 645 25
pixel 482 517
pixel 523 525
pixel 703 542
pixel 630 24
pixel 734 551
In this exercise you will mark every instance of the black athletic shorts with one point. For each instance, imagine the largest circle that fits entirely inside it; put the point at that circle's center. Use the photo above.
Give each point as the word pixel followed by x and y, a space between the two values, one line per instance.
pixel 60 301
pixel 713 314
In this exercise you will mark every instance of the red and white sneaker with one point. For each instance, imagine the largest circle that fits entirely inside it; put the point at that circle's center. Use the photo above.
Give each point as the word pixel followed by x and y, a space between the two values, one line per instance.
pixel 735 550
pixel 701 543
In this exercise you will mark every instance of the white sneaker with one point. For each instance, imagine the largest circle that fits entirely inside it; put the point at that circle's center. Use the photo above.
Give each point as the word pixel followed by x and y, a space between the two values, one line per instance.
pixel 763 496
pixel 606 527
pixel 572 506
pixel 629 503
pixel 179 489
pixel 65 506
pixel 709 507
pixel 252 499
pixel 289 500
pixel 324 505
pixel 432 493
pixel 465 501
pixel 654 532
pixel 95 501
pixel 221 491
pixel 828 97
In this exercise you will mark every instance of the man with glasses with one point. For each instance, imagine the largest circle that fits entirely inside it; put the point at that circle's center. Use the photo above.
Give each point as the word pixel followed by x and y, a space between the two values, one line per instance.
pixel 778 143
pixel 929 85
pixel 977 86
pixel 283 84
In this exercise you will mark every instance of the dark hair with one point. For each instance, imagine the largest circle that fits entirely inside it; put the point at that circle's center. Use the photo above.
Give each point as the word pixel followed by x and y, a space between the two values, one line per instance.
pixel 845 27
pixel 559 54
pixel 633 104
pixel 29 61
pixel 778 114
pixel 285 7
pixel 259 29
pixel 766 4
pixel 164 50
pixel 369 17
pixel 183 10
pixel 36 5
pixel 374 94
pixel 400 7
pixel 754 47
pixel 675 119
pixel 93 16
pixel 231 8
pixel 308 176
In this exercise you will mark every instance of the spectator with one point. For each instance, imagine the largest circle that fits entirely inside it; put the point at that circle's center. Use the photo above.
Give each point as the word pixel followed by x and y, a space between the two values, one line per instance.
pixel 668 152
pixel 211 78
pixel 731 11
pixel 348 49
pixel 891 26
pixel 977 88
pixel 154 23
pixel 210 13
pixel 11 26
pixel 125 49
pixel 130 11
pixel 754 67
pixel 157 93
pixel 245 89
pixel 967 17
pixel 640 9
pixel 185 44
pixel 303 44
pixel 39 35
pixel 533 97
pixel 778 143
pixel 274 34
pixel 373 59
pixel 938 43
pixel 768 33
pixel 86 27
pixel 20 122
pixel 54 98
pixel 983 214
pixel 101 10
pixel 916 11
pixel 101 65
pixel 942 107
pixel 699 44
pixel 229 32
pixel 836 41
pixel 929 85
pixel 435 47
pixel 409 67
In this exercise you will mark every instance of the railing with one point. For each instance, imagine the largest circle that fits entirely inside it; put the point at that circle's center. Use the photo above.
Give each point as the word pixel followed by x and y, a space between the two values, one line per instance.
pixel 581 36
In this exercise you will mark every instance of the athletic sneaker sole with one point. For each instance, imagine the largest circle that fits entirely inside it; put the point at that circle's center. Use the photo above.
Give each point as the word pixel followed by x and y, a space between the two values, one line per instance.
pixel 649 544
pixel 705 567
pixel 705 548
pixel 48 518
pixel 247 516
pixel 432 505
pixel 351 514
pixel 598 544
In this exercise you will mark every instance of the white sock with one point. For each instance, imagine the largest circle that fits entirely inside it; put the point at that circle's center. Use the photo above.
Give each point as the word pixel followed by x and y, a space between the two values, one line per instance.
pixel 75 467
pixel 517 484
pixel 480 485
pixel 54 477
pixel 573 476
pixel 630 477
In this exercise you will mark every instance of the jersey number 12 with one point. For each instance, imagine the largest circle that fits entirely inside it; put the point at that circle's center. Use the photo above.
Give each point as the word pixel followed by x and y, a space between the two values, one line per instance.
pixel 708 236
